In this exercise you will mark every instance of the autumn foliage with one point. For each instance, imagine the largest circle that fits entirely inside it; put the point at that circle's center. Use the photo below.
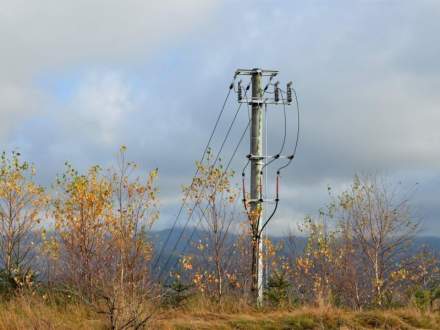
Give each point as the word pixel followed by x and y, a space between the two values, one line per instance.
pixel 86 240
pixel 99 247
pixel 22 207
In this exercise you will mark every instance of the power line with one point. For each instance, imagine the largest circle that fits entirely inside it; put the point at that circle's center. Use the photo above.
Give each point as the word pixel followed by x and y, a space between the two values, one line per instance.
pixel 283 143
pixel 231 87
pixel 226 169
pixel 192 210
pixel 292 156
pixel 203 211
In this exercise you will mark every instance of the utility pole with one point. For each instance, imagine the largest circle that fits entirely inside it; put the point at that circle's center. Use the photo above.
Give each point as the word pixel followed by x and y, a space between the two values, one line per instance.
pixel 256 203
pixel 257 160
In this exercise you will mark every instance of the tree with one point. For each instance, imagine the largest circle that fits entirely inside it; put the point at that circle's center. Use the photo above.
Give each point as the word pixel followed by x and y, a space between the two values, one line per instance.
pixel 82 214
pixel 359 245
pixel 378 222
pixel 101 239
pixel 126 288
pixel 418 280
pixel 22 203
pixel 314 269
pixel 214 198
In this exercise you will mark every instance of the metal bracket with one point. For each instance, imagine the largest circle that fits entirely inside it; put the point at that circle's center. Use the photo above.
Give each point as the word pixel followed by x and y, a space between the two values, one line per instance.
pixel 263 72
pixel 265 200
pixel 267 101
pixel 252 157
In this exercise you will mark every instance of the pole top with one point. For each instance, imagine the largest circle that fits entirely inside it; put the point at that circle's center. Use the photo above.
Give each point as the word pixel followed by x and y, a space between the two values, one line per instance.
pixel 249 72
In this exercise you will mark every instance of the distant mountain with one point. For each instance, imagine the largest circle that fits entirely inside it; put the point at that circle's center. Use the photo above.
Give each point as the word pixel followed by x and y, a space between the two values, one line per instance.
pixel 170 253
pixel 432 242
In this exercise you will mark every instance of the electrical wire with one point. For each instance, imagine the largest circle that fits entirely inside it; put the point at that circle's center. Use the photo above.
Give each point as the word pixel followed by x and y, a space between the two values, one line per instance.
pixel 203 212
pixel 284 137
pixel 231 87
pixel 292 156
pixel 192 210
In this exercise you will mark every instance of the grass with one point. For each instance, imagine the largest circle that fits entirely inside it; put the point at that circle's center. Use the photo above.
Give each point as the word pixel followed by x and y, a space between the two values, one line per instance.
pixel 302 318
pixel 34 312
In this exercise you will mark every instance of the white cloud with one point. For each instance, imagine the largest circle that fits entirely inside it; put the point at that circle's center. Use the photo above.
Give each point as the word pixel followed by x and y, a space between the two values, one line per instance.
pixel 54 32
pixel 100 106
pixel 37 37
pixel 16 102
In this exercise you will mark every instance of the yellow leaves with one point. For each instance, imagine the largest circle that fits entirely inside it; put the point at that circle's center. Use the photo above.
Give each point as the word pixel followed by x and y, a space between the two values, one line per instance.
pixel 304 264
pixel 201 246
pixel 198 281
pixel 24 202
pixel 232 279
pixel 103 219
pixel 400 274
pixel 154 173
pixel 187 263
pixel 211 185
pixel 254 215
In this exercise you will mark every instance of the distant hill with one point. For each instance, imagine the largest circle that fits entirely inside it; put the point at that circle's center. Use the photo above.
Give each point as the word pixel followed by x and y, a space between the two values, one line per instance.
pixel 432 242
pixel 171 255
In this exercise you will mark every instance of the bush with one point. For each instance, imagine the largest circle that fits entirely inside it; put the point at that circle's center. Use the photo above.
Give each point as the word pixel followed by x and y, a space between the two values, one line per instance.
pixel 277 292
pixel 424 298
pixel 12 281
pixel 176 294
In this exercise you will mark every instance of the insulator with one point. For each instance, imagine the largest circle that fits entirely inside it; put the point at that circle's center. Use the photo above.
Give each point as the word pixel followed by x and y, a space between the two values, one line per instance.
pixel 289 92
pixel 261 188
pixel 239 92
pixel 276 91
pixel 277 186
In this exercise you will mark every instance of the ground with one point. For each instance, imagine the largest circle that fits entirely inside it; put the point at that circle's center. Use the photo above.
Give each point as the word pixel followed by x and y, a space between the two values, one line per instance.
pixel 33 313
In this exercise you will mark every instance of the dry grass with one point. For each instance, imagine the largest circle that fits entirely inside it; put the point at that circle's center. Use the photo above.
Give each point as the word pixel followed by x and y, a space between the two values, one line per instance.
pixel 33 312
pixel 303 318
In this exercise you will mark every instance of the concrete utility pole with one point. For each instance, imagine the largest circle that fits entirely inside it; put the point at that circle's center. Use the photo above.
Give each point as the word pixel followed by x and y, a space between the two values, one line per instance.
pixel 256 204
pixel 257 161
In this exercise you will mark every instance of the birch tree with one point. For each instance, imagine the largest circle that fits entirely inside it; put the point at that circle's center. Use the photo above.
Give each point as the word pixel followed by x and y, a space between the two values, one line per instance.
pixel 22 204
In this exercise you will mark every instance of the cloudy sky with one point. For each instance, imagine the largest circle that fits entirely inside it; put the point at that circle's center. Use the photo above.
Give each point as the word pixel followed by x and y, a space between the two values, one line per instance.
pixel 80 78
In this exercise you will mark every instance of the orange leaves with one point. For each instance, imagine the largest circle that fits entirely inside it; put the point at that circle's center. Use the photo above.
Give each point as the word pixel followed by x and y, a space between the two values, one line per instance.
pixel 304 264
pixel 254 216
pixel 187 263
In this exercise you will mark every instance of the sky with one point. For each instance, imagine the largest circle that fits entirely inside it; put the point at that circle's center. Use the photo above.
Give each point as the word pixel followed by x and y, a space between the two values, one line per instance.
pixel 81 78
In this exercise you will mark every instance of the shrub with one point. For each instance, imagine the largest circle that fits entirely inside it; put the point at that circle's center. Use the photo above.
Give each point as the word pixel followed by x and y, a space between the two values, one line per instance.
pixel 277 292
pixel 176 294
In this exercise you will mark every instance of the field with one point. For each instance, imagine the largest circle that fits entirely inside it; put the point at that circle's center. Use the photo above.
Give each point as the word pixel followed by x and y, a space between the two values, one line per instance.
pixel 36 313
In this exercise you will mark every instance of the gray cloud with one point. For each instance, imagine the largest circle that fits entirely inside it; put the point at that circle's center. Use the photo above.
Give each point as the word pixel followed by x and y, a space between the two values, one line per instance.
pixel 51 36
pixel 153 77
